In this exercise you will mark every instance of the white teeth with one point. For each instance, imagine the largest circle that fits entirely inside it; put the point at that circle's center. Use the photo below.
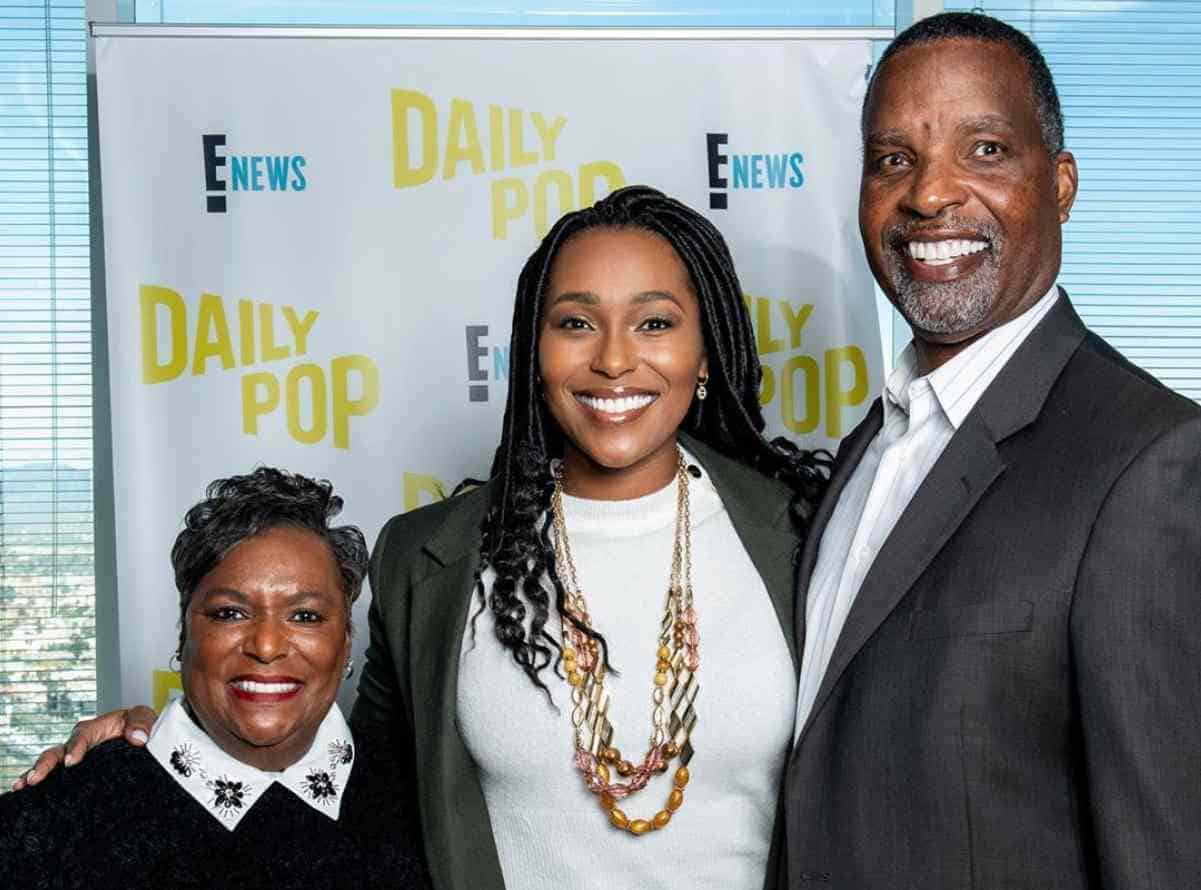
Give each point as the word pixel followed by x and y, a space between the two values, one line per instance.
pixel 266 688
pixel 939 253
pixel 619 405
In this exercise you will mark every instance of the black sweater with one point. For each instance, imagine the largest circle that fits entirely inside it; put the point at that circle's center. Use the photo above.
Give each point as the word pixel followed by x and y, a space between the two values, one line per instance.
pixel 117 819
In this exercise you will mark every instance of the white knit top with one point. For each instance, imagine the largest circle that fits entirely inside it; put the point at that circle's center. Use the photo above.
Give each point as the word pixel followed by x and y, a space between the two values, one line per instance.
pixel 550 831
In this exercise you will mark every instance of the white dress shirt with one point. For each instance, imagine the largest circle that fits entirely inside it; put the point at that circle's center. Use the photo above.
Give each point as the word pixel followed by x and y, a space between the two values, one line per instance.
pixel 921 414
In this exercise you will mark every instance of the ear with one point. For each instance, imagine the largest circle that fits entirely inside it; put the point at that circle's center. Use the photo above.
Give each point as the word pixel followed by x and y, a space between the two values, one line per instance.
pixel 703 370
pixel 1067 178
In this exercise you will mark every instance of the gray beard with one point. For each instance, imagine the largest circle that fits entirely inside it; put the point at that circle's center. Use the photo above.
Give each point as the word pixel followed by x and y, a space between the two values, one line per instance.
pixel 945 308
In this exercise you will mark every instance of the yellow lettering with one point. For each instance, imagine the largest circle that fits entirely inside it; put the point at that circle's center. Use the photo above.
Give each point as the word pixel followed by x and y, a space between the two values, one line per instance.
pixel 462 140
pixel 267 346
pixel 345 407
pixel 165 682
pixel 505 211
pixel 254 406
pixel 808 422
pixel 300 327
pixel 496 137
pixel 246 331
pixel 210 318
pixel 548 135
pixel 518 156
pixel 836 397
pixel 417 485
pixel 764 341
pixel 562 181
pixel 316 377
pixel 795 318
pixel 151 298
pixel 767 386
pixel 590 173
pixel 403 174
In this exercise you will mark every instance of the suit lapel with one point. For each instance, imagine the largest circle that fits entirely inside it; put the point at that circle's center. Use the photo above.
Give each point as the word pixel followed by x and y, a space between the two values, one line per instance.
pixel 758 510
pixel 460 846
pixel 961 475
pixel 970 464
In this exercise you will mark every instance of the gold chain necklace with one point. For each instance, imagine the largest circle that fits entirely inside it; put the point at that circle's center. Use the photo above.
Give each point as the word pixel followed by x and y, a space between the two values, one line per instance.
pixel 673 695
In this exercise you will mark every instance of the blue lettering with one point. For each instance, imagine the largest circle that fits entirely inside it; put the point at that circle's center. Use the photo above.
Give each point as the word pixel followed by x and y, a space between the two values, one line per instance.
pixel 742 178
pixel 794 162
pixel 776 165
pixel 240 169
pixel 277 172
pixel 256 173
pixel 756 171
pixel 298 181
pixel 500 363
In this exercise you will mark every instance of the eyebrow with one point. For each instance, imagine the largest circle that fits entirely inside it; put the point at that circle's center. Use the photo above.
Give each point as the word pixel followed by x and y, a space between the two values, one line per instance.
pixel 884 137
pixel 986 122
pixel 895 136
pixel 289 599
pixel 588 298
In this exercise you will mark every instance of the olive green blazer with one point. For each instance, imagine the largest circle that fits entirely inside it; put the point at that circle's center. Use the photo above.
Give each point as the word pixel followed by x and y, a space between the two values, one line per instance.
pixel 422 570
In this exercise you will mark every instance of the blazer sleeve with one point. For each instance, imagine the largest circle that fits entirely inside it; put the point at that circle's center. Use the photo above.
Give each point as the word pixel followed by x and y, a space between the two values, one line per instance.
pixel 381 709
pixel 1136 658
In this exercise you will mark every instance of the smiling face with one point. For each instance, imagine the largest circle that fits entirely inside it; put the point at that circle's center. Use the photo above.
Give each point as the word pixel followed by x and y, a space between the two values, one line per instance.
pixel 267 639
pixel 960 204
pixel 620 351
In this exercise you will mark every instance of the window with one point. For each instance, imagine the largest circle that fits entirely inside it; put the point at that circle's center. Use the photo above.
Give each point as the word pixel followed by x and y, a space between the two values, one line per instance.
pixel 47 593
pixel 1129 79
pixel 530 13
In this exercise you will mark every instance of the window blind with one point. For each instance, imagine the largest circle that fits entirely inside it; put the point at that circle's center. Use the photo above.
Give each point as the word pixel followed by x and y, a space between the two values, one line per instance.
pixel 47 597
pixel 528 13
pixel 1129 78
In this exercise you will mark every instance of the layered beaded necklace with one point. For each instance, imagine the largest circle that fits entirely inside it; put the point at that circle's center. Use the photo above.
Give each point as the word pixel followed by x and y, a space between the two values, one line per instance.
pixel 673 692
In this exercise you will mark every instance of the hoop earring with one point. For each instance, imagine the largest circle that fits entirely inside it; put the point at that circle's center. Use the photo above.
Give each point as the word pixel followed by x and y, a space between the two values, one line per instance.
pixel 174 659
pixel 349 671
pixel 702 390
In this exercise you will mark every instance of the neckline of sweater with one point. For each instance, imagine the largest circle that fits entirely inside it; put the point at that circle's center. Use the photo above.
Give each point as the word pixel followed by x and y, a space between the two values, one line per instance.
pixel 650 513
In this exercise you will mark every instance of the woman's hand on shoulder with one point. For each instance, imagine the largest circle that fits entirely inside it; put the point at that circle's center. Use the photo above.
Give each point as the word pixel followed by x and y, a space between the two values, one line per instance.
pixel 132 723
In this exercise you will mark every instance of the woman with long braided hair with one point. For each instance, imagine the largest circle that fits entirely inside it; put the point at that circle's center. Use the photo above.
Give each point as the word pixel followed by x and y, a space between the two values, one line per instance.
pixel 630 557
pixel 729 419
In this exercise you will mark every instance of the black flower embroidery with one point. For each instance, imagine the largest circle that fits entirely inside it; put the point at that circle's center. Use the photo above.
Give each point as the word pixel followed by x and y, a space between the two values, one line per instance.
pixel 227 795
pixel 184 759
pixel 340 752
pixel 319 786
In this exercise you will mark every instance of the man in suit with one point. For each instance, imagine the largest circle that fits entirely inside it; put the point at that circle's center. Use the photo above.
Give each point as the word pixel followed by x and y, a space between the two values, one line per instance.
pixel 1001 598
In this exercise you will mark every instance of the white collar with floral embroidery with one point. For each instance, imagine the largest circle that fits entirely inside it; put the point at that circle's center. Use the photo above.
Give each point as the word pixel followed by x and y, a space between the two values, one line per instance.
pixel 228 788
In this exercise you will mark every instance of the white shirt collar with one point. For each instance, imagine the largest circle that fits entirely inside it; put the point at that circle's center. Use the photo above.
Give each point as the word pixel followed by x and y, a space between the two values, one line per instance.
pixel 228 788
pixel 959 383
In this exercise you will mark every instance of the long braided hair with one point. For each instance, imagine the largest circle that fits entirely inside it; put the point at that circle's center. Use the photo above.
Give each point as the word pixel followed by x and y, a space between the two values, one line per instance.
pixel 516 530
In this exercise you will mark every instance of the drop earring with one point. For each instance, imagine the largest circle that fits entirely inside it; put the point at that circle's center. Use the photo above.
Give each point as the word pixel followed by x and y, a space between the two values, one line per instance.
pixel 702 390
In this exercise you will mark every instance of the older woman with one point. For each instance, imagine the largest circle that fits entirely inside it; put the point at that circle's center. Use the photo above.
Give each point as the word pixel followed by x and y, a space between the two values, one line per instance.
pixel 253 777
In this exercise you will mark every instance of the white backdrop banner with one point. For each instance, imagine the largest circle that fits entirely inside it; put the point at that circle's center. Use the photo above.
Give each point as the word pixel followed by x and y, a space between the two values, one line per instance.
pixel 312 244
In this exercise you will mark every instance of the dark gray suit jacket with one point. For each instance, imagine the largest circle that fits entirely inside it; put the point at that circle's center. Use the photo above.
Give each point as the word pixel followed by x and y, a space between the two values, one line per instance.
pixel 1015 699
pixel 421 577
